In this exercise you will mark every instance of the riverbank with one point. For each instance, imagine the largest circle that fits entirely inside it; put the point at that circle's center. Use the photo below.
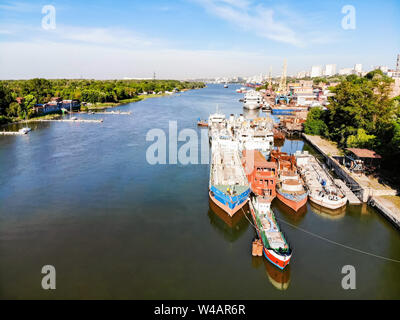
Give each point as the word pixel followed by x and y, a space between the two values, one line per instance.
pixel 100 106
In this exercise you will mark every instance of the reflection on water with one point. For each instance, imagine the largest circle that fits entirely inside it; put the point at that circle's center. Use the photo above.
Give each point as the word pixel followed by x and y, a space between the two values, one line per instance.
pixel 280 279
pixel 328 213
pixel 231 227
pixel 20 125
pixel 291 215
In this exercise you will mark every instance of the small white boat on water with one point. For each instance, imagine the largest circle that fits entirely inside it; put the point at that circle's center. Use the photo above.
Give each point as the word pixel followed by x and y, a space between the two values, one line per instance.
pixel 322 189
pixel 24 130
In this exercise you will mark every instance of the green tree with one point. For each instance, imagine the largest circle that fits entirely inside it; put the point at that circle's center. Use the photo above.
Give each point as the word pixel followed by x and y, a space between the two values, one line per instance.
pixel 5 99
pixel 361 140
pixel 29 103
pixel 315 124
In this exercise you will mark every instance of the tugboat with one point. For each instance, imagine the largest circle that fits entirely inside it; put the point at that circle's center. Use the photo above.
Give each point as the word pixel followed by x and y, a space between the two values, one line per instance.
pixel 276 249
pixel 290 188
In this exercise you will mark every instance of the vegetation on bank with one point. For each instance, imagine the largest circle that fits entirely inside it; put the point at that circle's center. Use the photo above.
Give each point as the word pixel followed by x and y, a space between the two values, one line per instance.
pixel 106 92
pixel 361 114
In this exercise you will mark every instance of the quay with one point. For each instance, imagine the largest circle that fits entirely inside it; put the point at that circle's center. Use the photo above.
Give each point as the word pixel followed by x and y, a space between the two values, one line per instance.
pixel 366 188
pixel 67 120
pixel 351 197
pixel 387 208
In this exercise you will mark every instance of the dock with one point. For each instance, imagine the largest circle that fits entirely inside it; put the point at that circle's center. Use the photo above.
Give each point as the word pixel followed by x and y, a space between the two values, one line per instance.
pixel 346 190
pixel 367 189
pixel 12 133
pixel 107 112
pixel 387 208
pixel 68 120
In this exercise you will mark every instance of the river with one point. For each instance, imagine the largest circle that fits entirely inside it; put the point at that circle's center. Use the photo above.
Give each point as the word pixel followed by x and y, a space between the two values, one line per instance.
pixel 83 198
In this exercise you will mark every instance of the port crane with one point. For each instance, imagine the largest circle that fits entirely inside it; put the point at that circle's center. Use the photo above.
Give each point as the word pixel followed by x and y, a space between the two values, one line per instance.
pixel 282 91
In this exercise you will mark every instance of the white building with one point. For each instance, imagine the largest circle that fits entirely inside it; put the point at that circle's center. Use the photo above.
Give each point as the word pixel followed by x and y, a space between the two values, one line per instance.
pixel 330 70
pixel 358 68
pixel 346 71
pixel 302 74
pixel 316 71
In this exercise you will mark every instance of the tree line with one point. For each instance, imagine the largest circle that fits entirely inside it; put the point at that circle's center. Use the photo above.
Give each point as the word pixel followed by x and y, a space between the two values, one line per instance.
pixel 361 114
pixel 40 90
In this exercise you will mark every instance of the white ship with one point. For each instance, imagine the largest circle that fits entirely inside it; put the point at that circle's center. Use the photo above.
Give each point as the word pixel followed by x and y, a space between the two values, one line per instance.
pixel 252 100
pixel 253 135
pixel 322 189
pixel 216 123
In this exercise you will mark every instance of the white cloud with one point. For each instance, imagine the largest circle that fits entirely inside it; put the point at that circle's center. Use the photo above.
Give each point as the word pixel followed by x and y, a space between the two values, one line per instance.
pixel 255 18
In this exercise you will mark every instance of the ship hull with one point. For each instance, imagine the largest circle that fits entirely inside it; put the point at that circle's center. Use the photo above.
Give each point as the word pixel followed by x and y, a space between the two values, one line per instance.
pixel 293 204
pixel 224 205
pixel 251 106
pixel 329 205
pixel 276 259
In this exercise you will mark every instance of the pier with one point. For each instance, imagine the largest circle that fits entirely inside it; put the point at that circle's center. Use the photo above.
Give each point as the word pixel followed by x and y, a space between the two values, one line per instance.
pixel 107 112
pixel 12 133
pixel 346 190
pixel 68 120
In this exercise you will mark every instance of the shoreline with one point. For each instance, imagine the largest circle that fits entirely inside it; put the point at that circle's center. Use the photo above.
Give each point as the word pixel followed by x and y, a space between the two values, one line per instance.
pixel 100 106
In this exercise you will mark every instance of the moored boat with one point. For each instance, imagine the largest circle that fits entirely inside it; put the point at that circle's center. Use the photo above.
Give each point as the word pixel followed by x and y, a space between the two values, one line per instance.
pixel 252 100
pixel 202 123
pixel 322 188
pixel 290 187
pixel 276 249
pixel 228 187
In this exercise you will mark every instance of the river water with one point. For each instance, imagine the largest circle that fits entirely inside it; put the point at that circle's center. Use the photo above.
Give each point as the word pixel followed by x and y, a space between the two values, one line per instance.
pixel 83 198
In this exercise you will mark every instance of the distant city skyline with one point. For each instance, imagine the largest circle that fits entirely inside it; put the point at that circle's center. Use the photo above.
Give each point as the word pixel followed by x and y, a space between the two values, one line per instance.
pixel 188 39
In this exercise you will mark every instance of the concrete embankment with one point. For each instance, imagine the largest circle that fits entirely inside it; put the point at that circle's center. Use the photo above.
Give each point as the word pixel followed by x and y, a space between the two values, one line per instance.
pixel 387 208
pixel 366 188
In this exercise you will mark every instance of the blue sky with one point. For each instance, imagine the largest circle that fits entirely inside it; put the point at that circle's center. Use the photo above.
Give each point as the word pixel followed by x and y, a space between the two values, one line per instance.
pixel 192 38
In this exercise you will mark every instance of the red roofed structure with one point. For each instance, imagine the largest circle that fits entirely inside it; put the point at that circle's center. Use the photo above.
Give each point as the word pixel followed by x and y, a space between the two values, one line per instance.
pixel 364 153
